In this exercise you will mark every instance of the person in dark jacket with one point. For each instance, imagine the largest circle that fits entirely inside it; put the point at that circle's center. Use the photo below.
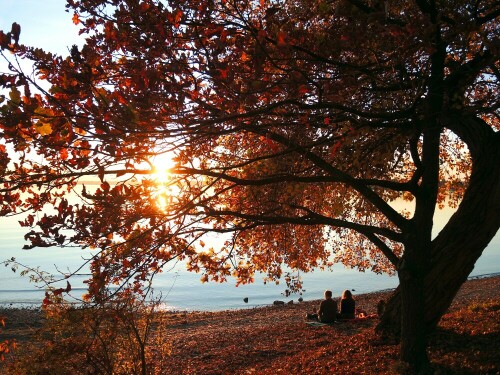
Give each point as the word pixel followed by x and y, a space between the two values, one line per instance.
pixel 347 306
pixel 327 311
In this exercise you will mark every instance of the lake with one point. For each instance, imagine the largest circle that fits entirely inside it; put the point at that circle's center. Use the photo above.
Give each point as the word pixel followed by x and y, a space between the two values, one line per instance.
pixel 182 290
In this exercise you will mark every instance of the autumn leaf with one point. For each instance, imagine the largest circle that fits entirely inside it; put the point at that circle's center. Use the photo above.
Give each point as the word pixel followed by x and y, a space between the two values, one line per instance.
pixel 15 95
pixel 282 39
pixel 303 89
pixel 76 18
pixel 245 57
pixel 223 73
pixel 63 153
pixel 178 18
pixel 43 128
pixel 335 148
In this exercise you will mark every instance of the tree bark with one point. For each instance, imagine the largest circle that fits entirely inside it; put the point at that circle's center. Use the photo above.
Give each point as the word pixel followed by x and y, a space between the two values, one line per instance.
pixel 413 337
pixel 461 242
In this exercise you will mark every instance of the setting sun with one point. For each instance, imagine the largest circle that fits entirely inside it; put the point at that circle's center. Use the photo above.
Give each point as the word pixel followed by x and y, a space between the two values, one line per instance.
pixel 162 175
pixel 162 165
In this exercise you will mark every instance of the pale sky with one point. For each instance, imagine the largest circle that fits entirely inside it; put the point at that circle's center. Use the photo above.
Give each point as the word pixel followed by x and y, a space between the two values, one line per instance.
pixel 44 23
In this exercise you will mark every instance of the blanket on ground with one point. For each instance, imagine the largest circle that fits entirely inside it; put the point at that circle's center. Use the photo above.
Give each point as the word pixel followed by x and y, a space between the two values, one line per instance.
pixel 315 323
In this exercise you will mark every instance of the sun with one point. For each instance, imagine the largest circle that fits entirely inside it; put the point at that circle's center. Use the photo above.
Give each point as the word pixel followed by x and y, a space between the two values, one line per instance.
pixel 162 167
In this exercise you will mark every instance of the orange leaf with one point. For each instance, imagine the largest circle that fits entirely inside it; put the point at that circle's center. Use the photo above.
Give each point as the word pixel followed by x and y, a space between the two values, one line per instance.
pixel 282 39
pixel 63 153
pixel 76 19
pixel 43 128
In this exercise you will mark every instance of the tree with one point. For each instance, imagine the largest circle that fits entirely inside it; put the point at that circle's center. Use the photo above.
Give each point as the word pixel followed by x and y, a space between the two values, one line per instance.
pixel 295 125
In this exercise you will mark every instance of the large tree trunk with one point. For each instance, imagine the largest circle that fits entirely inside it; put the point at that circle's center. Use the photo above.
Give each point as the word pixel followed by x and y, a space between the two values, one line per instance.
pixel 413 337
pixel 415 261
pixel 461 242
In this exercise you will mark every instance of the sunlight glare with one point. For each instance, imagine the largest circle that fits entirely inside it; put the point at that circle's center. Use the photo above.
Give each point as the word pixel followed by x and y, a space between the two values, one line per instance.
pixel 162 164
pixel 162 175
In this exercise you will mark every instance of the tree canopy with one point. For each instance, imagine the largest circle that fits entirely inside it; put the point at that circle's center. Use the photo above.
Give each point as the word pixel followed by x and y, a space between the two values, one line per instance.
pixel 294 126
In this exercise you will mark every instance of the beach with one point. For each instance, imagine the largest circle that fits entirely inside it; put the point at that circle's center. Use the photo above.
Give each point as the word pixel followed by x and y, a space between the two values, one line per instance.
pixel 276 339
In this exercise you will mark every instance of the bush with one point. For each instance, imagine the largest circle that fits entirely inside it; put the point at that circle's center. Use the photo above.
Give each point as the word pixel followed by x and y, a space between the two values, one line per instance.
pixel 124 336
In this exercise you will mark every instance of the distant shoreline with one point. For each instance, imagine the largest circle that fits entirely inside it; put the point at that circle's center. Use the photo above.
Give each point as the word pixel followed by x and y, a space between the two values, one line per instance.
pixel 36 306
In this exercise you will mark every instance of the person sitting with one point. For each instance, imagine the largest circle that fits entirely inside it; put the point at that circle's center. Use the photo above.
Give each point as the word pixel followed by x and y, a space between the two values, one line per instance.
pixel 327 309
pixel 347 306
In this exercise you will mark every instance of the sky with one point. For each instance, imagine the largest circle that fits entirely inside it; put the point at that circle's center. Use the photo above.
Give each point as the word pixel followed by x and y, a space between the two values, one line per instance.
pixel 44 23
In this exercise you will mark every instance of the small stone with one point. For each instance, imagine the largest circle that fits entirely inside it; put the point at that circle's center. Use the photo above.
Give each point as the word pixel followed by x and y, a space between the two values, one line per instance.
pixel 245 299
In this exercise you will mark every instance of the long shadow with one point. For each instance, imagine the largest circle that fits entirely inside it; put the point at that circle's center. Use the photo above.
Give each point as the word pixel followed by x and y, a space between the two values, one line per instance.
pixel 481 351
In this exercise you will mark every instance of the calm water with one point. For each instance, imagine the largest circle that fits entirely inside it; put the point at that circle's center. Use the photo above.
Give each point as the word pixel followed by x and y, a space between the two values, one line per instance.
pixel 183 290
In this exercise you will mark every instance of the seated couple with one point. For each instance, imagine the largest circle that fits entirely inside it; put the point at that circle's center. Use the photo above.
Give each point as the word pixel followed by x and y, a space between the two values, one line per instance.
pixel 328 311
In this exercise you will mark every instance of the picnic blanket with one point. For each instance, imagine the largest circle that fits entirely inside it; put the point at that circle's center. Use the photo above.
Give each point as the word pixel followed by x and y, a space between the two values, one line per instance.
pixel 315 323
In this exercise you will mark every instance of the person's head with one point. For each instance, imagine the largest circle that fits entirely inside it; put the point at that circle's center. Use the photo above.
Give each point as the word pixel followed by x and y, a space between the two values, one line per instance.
pixel 347 294
pixel 328 294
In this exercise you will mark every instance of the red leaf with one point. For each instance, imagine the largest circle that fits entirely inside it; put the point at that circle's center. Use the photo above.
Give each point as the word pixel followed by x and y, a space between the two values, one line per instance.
pixel 303 89
pixel 282 39
pixel 177 18
pixel 105 186
pixel 335 148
